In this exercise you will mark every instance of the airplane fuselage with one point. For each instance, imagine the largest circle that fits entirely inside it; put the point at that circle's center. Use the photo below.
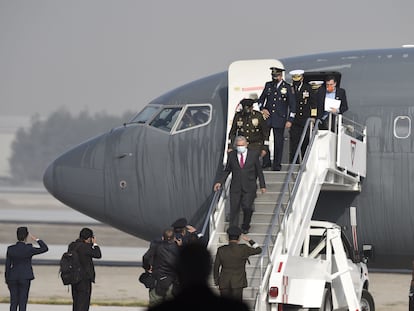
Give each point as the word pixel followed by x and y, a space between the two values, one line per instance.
pixel 142 176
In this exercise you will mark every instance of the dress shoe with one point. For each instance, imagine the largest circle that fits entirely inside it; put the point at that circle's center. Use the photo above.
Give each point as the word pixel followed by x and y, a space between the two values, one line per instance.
pixel 245 231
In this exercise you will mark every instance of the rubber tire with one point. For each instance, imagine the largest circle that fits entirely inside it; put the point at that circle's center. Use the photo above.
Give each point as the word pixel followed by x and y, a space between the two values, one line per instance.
pixel 367 302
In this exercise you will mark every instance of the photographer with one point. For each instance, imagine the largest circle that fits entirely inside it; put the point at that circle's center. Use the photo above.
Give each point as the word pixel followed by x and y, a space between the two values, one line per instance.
pixel 86 249
pixel 160 260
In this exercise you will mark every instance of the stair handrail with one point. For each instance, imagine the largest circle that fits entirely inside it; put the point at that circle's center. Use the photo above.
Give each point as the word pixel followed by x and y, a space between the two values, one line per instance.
pixel 313 128
pixel 209 219
pixel 289 177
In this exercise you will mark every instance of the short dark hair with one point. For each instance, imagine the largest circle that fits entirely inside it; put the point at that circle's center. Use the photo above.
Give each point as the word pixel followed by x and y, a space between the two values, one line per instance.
pixel 22 233
pixel 168 234
pixel 329 78
pixel 85 234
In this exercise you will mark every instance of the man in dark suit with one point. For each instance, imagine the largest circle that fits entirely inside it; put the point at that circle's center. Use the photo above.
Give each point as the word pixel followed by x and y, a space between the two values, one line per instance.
pixel 229 270
pixel 86 249
pixel 19 271
pixel 246 168
pixel 278 106
pixel 332 92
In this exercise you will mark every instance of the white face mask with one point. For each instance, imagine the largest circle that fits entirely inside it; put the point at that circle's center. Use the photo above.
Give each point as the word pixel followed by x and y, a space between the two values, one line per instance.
pixel 241 149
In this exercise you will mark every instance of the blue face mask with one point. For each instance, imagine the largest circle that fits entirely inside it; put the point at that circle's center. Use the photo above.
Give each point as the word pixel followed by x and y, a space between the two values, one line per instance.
pixel 241 149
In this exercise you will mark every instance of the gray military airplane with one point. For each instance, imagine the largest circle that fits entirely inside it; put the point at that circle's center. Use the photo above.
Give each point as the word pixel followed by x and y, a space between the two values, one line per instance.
pixel 162 164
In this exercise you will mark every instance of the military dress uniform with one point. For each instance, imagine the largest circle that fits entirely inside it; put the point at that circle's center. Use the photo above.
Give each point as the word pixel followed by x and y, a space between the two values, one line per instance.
pixel 280 102
pixel 305 109
pixel 229 268
pixel 253 127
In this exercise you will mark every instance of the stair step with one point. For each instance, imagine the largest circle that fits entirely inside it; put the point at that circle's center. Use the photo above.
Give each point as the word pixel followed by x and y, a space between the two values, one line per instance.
pixel 270 197
pixel 276 186
pixel 265 206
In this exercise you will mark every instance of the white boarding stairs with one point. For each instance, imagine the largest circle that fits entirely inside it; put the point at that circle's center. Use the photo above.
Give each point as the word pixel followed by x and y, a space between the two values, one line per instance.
pixel 333 161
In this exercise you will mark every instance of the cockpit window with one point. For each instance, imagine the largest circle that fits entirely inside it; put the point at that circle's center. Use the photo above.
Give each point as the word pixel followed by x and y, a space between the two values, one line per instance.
pixel 194 116
pixel 145 115
pixel 166 118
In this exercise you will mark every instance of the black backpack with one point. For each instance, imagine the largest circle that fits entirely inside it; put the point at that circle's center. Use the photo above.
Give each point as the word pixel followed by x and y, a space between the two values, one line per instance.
pixel 70 267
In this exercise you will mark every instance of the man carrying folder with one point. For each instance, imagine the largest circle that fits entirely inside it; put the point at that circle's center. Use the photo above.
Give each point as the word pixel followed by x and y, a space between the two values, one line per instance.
pixel 330 99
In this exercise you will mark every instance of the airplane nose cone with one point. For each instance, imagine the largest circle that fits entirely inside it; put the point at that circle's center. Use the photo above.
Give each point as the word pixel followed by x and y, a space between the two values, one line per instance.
pixel 76 178
pixel 48 179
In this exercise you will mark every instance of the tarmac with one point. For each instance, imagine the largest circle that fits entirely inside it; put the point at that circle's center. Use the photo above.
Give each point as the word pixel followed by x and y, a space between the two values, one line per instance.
pixel 119 285
pixel 39 307
pixel 117 272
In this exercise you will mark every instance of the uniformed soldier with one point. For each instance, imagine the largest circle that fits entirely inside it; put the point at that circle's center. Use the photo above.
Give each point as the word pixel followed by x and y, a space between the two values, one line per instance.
pixel 185 233
pixel 250 124
pixel 278 106
pixel 229 270
pixel 305 109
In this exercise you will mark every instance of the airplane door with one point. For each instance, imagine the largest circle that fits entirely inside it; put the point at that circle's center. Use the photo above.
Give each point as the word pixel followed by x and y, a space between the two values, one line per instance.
pixel 121 175
pixel 247 79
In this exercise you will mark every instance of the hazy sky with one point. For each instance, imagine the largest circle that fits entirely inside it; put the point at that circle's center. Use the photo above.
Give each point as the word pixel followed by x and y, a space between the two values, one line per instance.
pixel 113 56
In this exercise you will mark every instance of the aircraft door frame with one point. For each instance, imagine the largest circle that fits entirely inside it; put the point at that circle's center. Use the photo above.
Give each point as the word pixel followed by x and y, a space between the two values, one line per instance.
pixel 245 78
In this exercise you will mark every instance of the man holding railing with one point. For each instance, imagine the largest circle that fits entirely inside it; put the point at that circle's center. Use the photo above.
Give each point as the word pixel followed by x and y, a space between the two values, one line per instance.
pixel 245 166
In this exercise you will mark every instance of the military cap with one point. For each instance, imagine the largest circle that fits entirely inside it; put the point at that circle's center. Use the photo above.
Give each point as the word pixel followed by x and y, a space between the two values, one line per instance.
pixel 253 96
pixel 179 223
pixel 234 231
pixel 315 84
pixel 247 102
pixel 297 74
pixel 276 69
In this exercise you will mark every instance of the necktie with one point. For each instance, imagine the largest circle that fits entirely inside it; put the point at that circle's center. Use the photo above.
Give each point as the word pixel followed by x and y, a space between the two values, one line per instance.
pixel 241 160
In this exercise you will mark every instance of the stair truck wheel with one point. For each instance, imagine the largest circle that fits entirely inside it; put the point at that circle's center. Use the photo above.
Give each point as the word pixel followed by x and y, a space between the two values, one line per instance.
pixel 367 302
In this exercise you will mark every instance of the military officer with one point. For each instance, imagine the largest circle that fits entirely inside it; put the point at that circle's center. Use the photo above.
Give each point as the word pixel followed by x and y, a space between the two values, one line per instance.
pixel 250 124
pixel 278 106
pixel 229 270
pixel 305 108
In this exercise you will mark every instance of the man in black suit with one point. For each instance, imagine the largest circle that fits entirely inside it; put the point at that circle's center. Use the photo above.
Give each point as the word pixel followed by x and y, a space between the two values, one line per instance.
pixel 86 249
pixel 246 168
pixel 19 271
pixel 332 92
